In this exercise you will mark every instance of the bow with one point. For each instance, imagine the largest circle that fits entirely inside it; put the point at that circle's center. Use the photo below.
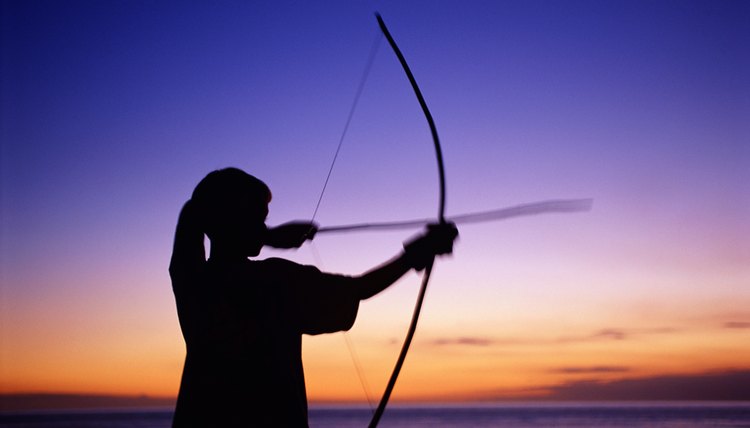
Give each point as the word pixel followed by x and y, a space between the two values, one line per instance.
pixel 557 205
pixel 441 219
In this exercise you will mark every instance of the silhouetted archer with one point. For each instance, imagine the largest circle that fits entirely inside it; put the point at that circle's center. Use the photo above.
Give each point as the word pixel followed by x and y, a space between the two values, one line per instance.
pixel 243 319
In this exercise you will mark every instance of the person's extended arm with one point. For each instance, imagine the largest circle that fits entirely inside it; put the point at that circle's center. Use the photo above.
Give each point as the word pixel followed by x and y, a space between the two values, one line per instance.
pixel 381 277
pixel 417 254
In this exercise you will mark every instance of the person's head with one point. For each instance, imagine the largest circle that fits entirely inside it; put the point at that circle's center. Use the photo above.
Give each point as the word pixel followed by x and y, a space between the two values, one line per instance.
pixel 232 206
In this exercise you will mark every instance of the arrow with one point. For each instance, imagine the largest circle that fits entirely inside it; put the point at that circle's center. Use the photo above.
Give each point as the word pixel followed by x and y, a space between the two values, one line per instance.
pixel 533 208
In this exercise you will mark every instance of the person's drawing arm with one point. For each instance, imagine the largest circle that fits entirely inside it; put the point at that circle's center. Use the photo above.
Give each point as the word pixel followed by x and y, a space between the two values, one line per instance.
pixel 188 253
pixel 417 254
pixel 290 235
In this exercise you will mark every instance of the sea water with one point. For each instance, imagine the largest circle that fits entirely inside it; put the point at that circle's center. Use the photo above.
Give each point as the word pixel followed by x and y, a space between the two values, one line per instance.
pixel 531 415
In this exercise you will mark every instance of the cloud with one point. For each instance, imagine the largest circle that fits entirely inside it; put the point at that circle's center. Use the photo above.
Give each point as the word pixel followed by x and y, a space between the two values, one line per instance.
pixel 737 324
pixel 611 333
pixel 731 385
pixel 466 341
pixel 605 334
pixel 616 334
pixel 591 370
pixel 47 401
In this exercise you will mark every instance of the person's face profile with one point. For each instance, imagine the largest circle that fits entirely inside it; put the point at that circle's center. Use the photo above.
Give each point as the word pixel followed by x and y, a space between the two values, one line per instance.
pixel 254 232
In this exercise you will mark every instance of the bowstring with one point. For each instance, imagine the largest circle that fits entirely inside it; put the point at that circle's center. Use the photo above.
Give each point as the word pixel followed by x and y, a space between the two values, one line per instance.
pixel 360 88
pixel 349 345
pixel 316 255
pixel 360 372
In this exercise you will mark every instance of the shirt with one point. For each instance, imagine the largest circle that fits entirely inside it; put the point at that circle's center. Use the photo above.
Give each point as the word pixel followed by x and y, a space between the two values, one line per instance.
pixel 243 323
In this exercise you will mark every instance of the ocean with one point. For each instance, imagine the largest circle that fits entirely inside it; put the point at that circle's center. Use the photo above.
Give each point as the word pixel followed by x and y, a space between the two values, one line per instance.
pixel 527 415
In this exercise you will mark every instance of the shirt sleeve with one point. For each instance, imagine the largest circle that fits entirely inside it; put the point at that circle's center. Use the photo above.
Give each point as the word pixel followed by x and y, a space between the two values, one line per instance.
pixel 322 302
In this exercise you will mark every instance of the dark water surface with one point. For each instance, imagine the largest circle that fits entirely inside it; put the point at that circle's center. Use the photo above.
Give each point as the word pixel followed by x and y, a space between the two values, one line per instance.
pixel 582 415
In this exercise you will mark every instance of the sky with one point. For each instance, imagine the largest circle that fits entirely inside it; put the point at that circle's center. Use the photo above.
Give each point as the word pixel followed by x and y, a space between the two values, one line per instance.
pixel 113 111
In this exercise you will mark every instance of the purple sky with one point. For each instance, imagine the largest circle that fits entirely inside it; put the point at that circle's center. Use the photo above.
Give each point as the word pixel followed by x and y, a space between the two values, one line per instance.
pixel 113 111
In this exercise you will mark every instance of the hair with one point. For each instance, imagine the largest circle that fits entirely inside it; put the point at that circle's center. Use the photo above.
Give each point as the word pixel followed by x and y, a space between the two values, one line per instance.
pixel 226 198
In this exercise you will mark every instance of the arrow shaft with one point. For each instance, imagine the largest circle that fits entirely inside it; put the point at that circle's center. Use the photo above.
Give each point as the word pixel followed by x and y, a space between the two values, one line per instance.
pixel 534 208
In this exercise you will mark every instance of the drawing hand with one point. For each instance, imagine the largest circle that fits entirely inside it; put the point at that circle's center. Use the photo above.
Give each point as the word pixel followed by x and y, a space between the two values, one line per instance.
pixel 291 235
